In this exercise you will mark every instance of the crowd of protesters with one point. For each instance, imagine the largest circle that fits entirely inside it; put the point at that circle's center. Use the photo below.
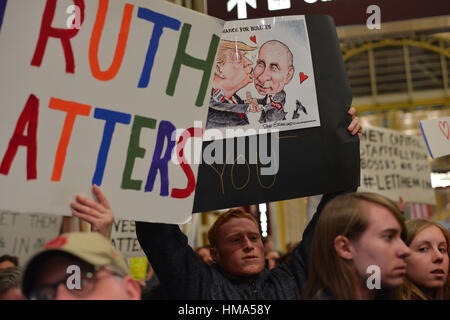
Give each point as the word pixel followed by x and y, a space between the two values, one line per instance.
pixel 356 246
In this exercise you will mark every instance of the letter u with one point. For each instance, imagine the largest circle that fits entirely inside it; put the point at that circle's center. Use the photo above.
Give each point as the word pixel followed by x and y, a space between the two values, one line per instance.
pixel 121 42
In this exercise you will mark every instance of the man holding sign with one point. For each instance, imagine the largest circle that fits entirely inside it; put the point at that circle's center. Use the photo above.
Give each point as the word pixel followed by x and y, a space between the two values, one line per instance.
pixel 239 270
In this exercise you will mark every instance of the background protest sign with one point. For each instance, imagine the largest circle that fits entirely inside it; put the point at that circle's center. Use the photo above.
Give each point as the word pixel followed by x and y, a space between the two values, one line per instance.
pixel 395 164
pixel 310 161
pixel 123 237
pixel 99 104
pixel 23 235
pixel 436 133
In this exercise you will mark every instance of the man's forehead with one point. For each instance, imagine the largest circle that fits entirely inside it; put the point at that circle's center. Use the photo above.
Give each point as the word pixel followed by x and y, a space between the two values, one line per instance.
pixel 236 225
pixel 7 263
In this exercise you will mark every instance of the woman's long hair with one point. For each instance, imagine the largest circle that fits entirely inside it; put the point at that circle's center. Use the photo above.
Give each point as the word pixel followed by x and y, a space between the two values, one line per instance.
pixel 330 273
pixel 409 291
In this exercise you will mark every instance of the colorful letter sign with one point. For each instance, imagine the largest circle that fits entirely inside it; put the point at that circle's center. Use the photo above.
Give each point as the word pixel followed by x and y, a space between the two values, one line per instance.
pixel 99 102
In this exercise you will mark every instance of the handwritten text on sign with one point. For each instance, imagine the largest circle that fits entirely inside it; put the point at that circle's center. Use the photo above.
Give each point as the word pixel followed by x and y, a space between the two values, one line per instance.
pixel 99 104
pixel 395 164
pixel 124 238
pixel 22 235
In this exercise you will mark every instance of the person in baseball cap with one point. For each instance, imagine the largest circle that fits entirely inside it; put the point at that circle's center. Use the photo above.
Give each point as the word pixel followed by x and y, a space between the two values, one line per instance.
pixel 79 265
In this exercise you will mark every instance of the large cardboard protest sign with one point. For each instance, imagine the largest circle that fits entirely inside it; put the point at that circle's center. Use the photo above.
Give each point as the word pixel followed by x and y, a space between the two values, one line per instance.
pixel 99 104
pixel 436 133
pixel 395 164
pixel 23 235
pixel 291 163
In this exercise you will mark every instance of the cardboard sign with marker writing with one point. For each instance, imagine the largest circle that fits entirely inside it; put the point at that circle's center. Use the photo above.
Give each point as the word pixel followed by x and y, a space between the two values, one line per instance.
pixel 96 102
pixel 23 235
pixel 395 165
pixel 123 237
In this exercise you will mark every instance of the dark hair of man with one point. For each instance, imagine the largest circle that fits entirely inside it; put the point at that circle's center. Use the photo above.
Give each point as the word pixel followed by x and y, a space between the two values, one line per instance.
pixel 13 259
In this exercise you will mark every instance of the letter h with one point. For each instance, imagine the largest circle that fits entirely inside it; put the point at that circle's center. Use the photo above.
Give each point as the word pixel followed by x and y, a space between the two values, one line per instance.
pixel 183 58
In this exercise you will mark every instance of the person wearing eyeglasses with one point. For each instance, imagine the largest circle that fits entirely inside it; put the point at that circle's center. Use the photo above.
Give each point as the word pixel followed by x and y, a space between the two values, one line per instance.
pixel 79 265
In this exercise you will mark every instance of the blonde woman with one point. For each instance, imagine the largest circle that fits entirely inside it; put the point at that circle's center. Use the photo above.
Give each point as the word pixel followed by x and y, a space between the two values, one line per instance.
pixel 428 264
pixel 356 234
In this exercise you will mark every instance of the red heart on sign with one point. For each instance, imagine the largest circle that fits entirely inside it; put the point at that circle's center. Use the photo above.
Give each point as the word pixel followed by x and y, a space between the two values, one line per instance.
pixel 442 125
pixel 253 38
pixel 303 77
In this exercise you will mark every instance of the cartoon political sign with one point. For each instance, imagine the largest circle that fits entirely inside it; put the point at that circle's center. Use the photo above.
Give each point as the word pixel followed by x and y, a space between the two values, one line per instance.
pixel 263 78
pixel 270 89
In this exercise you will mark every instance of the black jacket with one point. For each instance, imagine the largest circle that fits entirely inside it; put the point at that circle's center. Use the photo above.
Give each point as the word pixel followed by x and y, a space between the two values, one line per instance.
pixel 183 275
pixel 225 113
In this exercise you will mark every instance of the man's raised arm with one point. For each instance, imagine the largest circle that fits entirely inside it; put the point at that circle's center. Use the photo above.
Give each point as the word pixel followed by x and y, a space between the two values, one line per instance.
pixel 182 273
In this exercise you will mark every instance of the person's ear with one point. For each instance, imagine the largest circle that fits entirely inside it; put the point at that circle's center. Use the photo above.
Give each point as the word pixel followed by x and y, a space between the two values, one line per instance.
pixel 343 247
pixel 290 75
pixel 132 288
pixel 214 254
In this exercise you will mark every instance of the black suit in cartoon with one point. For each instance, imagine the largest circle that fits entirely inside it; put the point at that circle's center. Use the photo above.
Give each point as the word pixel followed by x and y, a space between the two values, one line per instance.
pixel 226 112
pixel 273 107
